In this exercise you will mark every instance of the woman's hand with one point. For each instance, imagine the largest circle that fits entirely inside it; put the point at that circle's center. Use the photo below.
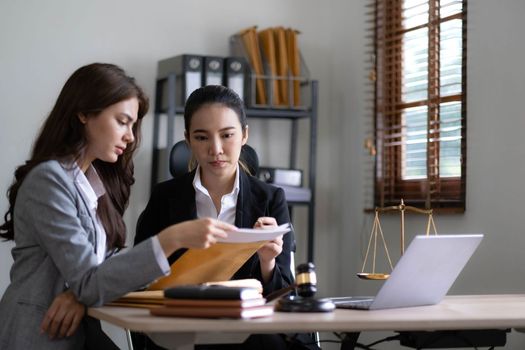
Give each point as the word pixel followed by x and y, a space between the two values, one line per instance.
pixel 270 250
pixel 63 316
pixel 265 221
pixel 199 233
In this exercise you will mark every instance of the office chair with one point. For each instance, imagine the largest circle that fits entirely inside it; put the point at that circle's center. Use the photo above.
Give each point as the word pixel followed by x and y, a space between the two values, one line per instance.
pixel 180 156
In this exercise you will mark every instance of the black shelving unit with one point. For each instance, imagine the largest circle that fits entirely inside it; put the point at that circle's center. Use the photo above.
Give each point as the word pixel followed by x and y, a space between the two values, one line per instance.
pixel 161 156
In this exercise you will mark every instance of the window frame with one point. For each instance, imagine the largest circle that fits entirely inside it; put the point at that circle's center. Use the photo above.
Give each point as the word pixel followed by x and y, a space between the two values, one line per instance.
pixel 446 194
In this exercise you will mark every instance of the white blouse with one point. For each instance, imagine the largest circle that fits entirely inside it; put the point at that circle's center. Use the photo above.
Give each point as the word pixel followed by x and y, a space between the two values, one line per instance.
pixel 204 203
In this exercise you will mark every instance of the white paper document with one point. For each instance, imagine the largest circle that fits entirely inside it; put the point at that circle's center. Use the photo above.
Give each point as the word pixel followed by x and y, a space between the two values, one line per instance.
pixel 244 235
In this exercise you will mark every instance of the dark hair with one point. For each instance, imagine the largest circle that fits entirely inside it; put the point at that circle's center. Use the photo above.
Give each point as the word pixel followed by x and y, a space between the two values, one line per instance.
pixel 211 94
pixel 214 94
pixel 88 91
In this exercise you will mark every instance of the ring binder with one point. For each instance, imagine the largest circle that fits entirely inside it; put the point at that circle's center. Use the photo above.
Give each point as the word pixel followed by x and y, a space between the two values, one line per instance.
pixel 212 70
pixel 235 74
pixel 188 69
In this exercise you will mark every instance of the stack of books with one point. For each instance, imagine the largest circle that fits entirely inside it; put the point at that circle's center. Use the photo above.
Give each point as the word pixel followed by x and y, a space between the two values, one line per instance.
pixel 151 298
pixel 214 301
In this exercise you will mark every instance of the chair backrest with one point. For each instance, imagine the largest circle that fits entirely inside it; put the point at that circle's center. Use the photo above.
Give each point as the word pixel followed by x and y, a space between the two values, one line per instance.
pixel 250 159
pixel 180 157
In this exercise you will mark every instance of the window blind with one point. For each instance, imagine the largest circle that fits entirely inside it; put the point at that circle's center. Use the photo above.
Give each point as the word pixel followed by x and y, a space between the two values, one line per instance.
pixel 418 87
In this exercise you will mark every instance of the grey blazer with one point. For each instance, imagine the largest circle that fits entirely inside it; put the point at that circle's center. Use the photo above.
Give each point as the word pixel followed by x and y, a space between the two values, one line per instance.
pixel 54 248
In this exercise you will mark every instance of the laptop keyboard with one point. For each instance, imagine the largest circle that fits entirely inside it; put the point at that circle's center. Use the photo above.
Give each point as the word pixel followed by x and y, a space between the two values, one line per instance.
pixel 352 303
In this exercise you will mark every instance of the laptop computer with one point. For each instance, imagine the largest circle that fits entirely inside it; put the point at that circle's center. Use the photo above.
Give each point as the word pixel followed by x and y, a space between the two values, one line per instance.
pixel 422 276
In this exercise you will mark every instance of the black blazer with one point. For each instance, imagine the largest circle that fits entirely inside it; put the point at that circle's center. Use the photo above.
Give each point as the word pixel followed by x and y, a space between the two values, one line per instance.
pixel 173 201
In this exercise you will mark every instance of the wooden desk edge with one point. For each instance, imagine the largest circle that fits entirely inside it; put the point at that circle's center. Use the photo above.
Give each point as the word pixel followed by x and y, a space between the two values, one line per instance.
pixel 454 312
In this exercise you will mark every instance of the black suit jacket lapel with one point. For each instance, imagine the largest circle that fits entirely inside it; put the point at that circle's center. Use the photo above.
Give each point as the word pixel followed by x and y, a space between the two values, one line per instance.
pixel 182 203
pixel 248 209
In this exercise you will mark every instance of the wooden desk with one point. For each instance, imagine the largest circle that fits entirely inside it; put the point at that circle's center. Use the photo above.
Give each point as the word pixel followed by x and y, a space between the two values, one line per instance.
pixel 454 312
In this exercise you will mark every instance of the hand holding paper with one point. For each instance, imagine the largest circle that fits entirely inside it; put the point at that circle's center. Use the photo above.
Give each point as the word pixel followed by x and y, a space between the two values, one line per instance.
pixel 220 261
pixel 200 233
pixel 265 222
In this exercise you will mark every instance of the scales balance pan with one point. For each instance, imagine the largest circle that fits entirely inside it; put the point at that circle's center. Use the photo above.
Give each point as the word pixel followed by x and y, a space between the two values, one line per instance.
pixel 377 232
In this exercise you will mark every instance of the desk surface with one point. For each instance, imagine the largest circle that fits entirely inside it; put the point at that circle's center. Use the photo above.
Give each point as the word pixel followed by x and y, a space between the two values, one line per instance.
pixel 454 312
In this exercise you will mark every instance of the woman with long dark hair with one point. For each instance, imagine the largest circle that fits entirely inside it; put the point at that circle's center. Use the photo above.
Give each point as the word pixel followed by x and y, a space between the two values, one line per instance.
pixel 65 216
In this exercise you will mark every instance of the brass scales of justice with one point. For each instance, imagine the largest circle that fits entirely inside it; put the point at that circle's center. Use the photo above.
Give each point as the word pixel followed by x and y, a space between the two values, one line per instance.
pixel 378 231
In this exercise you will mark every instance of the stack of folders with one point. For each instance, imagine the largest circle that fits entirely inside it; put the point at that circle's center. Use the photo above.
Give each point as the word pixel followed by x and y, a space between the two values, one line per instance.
pixel 274 57
pixel 213 301
pixel 142 299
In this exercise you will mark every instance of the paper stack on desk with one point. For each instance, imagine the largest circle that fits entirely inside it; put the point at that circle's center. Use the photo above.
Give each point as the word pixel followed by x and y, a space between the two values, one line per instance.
pixel 213 302
pixel 220 261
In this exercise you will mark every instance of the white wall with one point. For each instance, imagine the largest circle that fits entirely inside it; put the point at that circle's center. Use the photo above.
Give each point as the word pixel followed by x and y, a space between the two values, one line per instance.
pixel 43 42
